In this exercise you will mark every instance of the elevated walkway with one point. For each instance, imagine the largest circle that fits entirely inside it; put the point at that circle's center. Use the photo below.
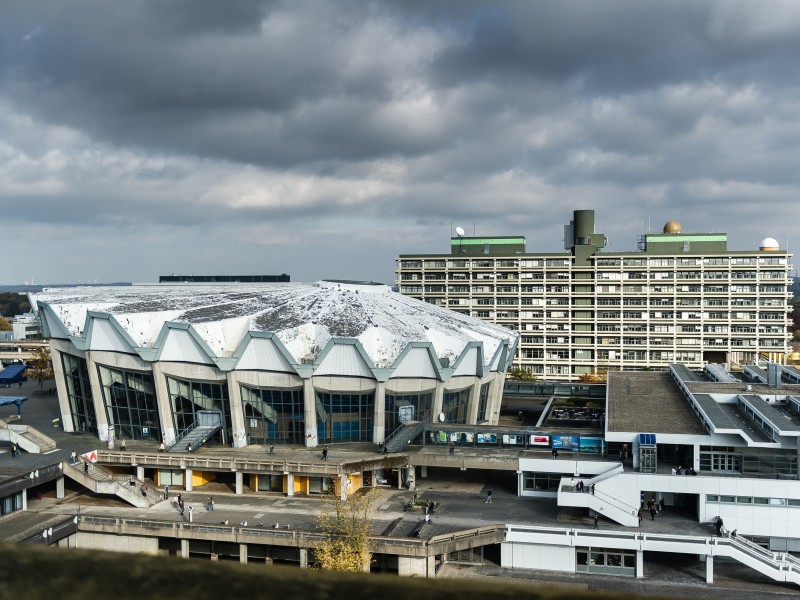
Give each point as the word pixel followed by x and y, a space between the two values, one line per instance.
pixel 102 481
pixel 777 566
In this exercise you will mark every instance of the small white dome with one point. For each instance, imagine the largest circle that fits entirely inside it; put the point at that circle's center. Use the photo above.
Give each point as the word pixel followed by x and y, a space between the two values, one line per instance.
pixel 769 244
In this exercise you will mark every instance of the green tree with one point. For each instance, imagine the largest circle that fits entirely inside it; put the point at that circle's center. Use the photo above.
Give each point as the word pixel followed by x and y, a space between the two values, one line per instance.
pixel 5 325
pixel 348 524
pixel 40 367
pixel 521 374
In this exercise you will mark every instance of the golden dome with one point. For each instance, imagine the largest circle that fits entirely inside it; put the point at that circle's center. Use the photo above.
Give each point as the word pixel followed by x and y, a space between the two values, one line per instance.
pixel 672 227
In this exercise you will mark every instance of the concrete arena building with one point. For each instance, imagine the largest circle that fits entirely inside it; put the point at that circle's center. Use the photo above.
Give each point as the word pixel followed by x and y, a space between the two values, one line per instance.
pixel 310 364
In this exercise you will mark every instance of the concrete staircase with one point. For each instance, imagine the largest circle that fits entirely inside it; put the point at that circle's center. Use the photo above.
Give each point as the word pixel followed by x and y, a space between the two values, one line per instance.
pixel 26 438
pixel 400 437
pixel 208 423
pixel 100 480
pixel 612 508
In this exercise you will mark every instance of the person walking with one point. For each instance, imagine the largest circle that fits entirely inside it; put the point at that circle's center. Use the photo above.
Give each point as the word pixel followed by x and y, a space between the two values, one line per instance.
pixel 86 467
pixel 162 447
pixel 489 497
pixel 718 525
pixel 653 512
pixel 639 516
pixel 592 489
pixel 452 448
pixel 271 450
pixel 14 451
pixel 596 521
pixel 122 445
pixel 325 453
pixel 166 492
pixel 555 452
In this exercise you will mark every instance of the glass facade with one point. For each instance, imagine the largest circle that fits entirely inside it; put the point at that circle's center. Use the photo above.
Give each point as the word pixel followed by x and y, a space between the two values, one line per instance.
pixel 130 401
pixel 79 392
pixel 273 416
pixel 454 406
pixel 606 561
pixel 345 417
pixel 418 406
pixel 10 504
pixel 186 398
pixel 765 461
pixel 483 403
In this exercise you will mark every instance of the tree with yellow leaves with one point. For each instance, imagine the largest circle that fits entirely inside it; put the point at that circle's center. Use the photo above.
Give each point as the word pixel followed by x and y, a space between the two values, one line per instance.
pixel 348 525
pixel 40 367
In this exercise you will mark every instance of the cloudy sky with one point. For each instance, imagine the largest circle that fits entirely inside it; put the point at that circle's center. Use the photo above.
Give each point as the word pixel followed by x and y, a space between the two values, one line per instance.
pixel 322 139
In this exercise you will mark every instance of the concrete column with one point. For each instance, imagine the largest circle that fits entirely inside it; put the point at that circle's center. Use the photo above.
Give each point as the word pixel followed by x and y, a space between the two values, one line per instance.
pixel 412 477
pixel 289 485
pixel 239 482
pixel 24 500
pixel 237 412
pixel 423 471
pixel 164 408
pixel 379 426
pixel 243 553
pixel 399 479
pixel 639 564
pixel 520 483
pixel 438 399
pixel 696 456
pixel 188 480
pixel 140 473
pixel 474 401
pixel 343 487
pixel 709 569
pixel 97 398
pixel 310 413
pixel 61 388
pixel 303 558
pixel 798 459
pixel 184 548
pixel 60 488
pixel 495 398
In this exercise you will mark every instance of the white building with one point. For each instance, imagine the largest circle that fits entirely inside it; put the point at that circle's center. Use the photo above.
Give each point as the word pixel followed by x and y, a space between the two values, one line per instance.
pixel 333 361
pixel 681 298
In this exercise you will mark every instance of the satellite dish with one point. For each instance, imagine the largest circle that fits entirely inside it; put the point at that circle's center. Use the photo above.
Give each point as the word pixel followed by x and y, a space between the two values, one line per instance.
pixel 441 417
pixel 459 231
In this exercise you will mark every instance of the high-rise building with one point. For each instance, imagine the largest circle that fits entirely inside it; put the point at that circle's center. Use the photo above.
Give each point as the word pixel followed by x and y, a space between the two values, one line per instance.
pixel 680 297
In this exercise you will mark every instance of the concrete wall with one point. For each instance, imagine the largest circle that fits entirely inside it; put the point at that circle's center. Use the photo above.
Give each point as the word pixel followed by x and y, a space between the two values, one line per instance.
pixel 537 556
pixel 116 543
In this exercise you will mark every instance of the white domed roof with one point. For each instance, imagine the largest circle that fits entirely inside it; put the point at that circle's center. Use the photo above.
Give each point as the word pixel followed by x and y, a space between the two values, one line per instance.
pixel 769 243
pixel 304 316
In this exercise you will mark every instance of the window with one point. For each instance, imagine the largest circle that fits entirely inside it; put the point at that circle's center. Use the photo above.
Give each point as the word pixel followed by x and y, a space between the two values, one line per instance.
pixel 130 402
pixel 188 398
pixel 418 406
pixel 273 416
pixel 345 417
pixel 454 406
pixel 79 393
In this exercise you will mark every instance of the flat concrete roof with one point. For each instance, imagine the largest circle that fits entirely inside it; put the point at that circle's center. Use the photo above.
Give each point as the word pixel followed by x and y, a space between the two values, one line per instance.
pixel 649 403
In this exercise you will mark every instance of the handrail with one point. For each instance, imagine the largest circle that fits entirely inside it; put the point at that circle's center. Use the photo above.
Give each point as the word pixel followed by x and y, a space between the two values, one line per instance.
pixel 606 498
pixel 597 492
pixel 402 426
pixel 181 434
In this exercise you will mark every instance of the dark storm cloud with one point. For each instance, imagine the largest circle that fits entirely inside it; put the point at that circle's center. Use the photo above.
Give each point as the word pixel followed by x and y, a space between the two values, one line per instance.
pixel 176 127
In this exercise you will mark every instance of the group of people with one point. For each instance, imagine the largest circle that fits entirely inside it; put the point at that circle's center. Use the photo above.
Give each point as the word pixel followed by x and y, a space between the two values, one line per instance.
pixel 681 471
pixel 581 487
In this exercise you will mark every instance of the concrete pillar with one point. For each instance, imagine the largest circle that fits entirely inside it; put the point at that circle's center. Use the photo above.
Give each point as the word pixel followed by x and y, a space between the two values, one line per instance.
pixel 24 500
pixel 239 483
pixel 474 401
pixel 423 471
pixel 60 488
pixel 97 398
pixel 243 553
pixel 696 456
pixel 188 480
pixel 303 558
pixel 164 408
pixel 798 459
pixel 343 487
pixel 640 563
pixel 411 477
pixel 399 479
pixel 495 397
pixel 237 412
pixel 310 413
pixel 438 399
pixel 709 569
pixel 140 473
pixel 289 485
pixel 184 548
pixel 379 427
pixel 61 388
pixel 520 483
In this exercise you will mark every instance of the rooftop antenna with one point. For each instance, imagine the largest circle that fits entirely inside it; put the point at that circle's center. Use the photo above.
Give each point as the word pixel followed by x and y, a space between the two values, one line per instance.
pixel 460 234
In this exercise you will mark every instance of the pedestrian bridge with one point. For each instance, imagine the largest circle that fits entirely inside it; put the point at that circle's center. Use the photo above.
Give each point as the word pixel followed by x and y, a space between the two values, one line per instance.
pixel 558 549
